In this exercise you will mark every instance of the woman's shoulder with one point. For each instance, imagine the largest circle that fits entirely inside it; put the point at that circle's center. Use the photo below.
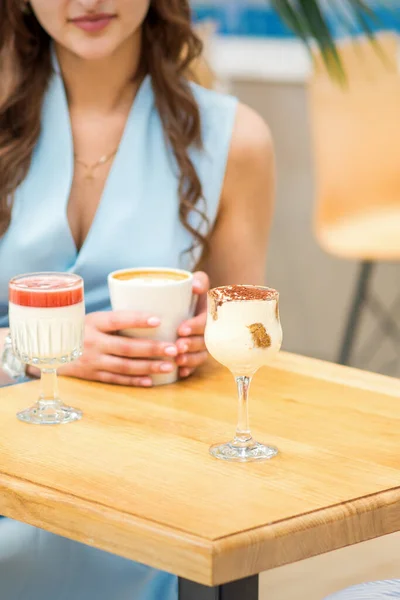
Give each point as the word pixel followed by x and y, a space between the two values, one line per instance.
pixel 251 138
pixel 250 169
pixel 248 130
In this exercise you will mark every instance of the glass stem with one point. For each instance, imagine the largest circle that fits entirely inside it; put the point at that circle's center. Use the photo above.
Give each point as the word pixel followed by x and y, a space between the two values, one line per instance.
pixel 243 434
pixel 48 388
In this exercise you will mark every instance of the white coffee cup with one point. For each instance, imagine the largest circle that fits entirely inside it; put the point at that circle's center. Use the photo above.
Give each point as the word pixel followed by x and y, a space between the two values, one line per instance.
pixel 160 292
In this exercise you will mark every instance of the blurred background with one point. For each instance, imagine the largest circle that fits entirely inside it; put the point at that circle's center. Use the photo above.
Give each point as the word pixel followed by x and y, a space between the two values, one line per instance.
pixel 335 242
pixel 323 283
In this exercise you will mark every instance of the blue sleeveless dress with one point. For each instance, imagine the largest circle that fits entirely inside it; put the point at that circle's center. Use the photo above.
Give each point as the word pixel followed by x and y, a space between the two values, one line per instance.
pixel 136 224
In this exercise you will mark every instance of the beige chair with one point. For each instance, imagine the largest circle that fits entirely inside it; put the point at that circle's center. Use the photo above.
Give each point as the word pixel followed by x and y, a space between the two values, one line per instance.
pixel 356 141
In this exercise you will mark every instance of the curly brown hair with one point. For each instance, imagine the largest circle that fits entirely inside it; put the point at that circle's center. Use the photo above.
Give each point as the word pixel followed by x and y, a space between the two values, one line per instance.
pixel 169 47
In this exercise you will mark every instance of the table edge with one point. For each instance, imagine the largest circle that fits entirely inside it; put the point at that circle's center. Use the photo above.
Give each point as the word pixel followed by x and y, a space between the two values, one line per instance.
pixel 304 536
pixel 99 526
pixel 210 562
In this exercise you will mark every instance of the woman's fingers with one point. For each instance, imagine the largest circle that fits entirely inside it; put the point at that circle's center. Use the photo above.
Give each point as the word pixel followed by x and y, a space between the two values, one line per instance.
pixel 185 372
pixel 201 283
pixel 194 343
pixel 112 321
pixel 122 360
pixel 107 377
pixel 119 345
pixel 195 326
pixel 133 367
pixel 192 360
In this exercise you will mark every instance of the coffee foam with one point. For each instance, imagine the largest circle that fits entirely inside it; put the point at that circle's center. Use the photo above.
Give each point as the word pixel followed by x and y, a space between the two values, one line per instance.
pixel 151 277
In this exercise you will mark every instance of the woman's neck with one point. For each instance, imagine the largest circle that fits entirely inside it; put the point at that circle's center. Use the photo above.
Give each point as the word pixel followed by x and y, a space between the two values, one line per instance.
pixel 104 85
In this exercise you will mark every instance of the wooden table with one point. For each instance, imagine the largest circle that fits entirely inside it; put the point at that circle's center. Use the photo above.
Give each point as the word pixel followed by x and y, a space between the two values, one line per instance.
pixel 134 477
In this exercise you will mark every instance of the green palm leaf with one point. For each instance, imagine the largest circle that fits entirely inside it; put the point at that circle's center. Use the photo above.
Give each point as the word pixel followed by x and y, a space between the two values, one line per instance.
pixel 308 20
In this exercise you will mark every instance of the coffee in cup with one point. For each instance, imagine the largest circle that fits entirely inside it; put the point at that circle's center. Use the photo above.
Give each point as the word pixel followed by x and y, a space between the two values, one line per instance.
pixel 164 293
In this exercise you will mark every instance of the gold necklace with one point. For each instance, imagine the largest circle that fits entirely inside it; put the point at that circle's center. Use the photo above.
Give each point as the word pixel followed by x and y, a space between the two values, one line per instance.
pixel 91 168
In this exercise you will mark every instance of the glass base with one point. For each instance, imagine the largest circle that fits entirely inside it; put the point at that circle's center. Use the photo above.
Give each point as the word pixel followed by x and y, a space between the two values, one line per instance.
pixel 49 415
pixel 237 452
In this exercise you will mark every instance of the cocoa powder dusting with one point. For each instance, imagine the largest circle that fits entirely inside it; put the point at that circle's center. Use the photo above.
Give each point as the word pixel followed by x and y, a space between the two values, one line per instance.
pixel 231 293
pixel 260 336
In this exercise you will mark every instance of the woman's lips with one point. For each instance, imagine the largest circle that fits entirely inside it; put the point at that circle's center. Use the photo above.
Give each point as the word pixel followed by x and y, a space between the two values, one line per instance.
pixel 93 24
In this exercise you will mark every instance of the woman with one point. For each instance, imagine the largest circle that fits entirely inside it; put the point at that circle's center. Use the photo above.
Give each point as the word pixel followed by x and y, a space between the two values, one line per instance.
pixel 110 158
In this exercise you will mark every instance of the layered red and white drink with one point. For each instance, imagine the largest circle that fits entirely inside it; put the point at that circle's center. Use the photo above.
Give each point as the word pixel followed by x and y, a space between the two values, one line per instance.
pixel 47 316
pixel 46 313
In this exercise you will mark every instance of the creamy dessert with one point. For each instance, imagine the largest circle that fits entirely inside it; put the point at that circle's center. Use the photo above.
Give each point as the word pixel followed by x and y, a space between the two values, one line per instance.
pixel 243 330
pixel 46 313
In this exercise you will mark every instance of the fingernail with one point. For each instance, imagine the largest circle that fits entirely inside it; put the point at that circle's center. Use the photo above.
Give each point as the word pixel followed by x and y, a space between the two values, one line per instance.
pixel 153 321
pixel 185 372
pixel 182 360
pixel 186 330
pixel 183 347
pixel 166 368
pixel 147 382
pixel 171 351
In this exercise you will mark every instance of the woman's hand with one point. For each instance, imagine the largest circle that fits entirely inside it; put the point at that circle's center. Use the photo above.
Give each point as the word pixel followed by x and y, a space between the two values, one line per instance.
pixel 191 347
pixel 111 358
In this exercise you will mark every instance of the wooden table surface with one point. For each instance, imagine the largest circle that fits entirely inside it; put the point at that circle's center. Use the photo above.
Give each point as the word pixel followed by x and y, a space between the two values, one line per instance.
pixel 134 477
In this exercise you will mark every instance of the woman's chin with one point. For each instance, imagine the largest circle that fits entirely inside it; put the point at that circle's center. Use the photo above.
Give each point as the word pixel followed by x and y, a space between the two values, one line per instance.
pixel 92 49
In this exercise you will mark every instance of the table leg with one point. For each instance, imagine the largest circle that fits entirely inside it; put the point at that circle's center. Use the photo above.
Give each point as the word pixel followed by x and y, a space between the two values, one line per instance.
pixel 244 589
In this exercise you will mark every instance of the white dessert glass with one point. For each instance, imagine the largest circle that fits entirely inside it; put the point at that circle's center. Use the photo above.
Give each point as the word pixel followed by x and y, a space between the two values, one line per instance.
pixel 46 314
pixel 243 333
